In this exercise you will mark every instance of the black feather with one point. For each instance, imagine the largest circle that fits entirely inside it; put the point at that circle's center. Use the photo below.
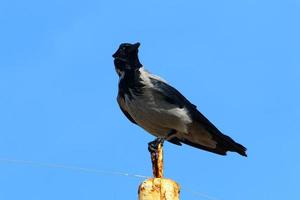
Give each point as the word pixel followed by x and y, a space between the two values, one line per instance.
pixel 127 115
pixel 130 81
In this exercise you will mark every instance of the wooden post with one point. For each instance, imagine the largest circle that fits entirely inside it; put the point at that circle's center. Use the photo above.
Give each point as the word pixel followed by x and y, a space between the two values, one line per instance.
pixel 158 188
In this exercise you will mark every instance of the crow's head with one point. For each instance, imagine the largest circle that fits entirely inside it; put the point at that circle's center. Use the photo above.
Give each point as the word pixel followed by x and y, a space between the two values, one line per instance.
pixel 126 58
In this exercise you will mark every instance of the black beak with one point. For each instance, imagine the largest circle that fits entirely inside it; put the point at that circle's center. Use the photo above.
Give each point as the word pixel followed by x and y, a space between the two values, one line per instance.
pixel 115 54
pixel 136 46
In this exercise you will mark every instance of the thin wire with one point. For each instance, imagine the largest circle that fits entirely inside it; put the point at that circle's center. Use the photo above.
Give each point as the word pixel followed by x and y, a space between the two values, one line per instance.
pixel 95 171
pixel 68 167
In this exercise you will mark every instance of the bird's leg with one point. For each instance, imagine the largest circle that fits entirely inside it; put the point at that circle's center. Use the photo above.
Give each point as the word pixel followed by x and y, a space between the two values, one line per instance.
pixel 153 146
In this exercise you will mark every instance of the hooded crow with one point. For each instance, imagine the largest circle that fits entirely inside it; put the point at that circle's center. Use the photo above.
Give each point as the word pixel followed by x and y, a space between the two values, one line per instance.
pixel 150 102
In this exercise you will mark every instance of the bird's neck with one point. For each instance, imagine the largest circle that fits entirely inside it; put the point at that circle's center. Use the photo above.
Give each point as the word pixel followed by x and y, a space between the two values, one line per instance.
pixel 133 63
pixel 130 83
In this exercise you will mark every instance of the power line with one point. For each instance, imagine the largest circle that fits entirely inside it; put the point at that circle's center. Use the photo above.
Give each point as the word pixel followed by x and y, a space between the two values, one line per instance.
pixel 70 167
pixel 94 171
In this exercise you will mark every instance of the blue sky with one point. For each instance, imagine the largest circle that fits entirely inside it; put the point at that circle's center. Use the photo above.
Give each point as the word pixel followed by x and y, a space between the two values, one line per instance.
pixel 238 61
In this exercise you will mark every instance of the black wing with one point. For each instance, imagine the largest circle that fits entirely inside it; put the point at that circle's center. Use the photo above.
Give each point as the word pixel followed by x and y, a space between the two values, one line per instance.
pixel 173 96
pixel 224 142
pixel 170 94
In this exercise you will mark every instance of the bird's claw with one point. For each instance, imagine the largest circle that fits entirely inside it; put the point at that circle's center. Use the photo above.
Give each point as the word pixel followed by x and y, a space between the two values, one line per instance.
pixel 153 146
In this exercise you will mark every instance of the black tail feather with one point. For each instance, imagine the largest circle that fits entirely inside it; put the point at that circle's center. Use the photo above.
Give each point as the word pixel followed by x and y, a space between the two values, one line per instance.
pixel 228 144
pixel 224 144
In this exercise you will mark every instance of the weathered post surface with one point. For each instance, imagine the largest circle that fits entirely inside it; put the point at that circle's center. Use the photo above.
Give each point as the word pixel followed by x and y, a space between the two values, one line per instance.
pixel 158 188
